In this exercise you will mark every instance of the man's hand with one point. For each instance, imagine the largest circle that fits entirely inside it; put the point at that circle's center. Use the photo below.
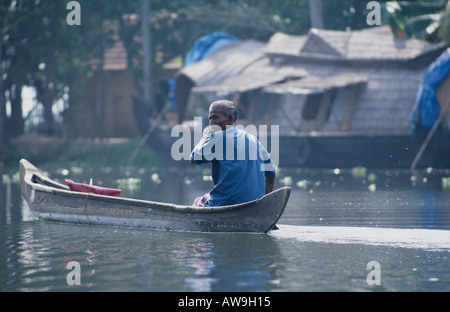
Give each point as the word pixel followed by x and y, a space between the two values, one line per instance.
pixel 206 134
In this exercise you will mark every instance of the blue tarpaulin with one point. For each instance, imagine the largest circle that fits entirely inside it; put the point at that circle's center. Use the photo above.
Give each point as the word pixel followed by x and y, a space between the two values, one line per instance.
pixel 206 45
pixel 426 108
pixel 203 47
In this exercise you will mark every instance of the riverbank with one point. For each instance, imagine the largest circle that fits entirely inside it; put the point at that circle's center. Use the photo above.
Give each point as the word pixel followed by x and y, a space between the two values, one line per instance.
pixel 42 149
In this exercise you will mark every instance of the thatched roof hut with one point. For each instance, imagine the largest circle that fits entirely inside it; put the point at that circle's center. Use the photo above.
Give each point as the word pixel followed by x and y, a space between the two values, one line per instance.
pixel 353 82
pixel 343 96
pixel 368 78
pixel 226 62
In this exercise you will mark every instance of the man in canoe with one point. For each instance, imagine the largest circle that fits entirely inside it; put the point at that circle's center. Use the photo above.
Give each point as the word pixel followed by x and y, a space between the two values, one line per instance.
pixel 241 167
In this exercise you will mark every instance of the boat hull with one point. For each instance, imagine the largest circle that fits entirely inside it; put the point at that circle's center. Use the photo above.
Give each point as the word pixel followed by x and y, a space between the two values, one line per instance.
pixel 326 150
pixel 390 152
pixel 338 151
pixel 52 201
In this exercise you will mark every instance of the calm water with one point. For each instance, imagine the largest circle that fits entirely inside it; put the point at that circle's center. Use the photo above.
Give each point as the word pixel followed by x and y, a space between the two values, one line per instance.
pixel 336 222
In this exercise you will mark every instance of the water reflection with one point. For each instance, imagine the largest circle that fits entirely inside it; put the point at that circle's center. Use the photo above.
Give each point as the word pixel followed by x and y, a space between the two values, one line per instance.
pixel 294 258
pixel 432 215
pixel 201 260
pixel 34 256
pixel 333 226
pixel 235 263
pixel 116 259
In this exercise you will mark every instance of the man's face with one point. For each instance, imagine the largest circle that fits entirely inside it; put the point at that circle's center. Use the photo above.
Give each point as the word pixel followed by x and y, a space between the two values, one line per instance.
pixel 218 118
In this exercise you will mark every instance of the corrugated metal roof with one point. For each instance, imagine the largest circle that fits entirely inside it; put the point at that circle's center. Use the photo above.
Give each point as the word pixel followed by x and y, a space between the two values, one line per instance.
pixel 226 62
pixel 115 57
pixel 259 74
pixel 384 102
pixel 371 44
pixel 314 82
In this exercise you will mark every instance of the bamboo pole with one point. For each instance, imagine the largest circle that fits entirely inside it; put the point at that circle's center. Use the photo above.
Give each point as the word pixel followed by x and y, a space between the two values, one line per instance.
pixel 429 136
pixel 150 130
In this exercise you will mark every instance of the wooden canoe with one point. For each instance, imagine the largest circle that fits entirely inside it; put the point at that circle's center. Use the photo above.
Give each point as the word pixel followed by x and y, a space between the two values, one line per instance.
pixel 50 200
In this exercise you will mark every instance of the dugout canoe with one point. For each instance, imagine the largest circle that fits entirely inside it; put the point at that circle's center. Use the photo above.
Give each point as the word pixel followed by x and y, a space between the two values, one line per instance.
pixel 52 201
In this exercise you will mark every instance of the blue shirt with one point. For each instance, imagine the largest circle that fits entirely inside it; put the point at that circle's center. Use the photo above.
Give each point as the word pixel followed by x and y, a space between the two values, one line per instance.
pixel 239 164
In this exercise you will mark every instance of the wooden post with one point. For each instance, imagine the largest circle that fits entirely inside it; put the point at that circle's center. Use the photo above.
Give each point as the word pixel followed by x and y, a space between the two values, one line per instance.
pixel 3 134
pixel 146 46
pixel 315 13
pixel 148 95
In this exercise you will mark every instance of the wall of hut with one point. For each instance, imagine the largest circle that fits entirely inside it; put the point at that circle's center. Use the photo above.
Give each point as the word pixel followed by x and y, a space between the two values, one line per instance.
pixel 116 118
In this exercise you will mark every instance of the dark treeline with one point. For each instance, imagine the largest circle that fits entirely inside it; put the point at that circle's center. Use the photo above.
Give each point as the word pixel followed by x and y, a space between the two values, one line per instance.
pixel 39 48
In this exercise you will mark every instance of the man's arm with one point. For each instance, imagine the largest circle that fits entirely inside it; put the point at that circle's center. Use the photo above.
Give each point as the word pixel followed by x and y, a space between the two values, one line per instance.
pixel 270 182
pixel 206 135
pixel 202 140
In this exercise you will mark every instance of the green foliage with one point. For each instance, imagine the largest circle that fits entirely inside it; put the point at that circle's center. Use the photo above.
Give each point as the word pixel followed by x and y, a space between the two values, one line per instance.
pixel 113 154
pixel 444 32
pixel 39 48
pixel 416 19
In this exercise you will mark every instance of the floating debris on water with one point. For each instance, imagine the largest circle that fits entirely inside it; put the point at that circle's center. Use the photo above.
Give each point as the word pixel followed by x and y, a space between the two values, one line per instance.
pixel 303 184
pixel 129 183
pixel 207 178
pixel 413 180
pixel 286 181
pixel 155 178
pixel 76 170
pixel 359 172
pixel 8 178
pixel 446 183
pixel 372 178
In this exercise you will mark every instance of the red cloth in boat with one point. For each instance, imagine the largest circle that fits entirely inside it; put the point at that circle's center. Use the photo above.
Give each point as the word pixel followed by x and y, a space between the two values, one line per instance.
pixel 85 188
